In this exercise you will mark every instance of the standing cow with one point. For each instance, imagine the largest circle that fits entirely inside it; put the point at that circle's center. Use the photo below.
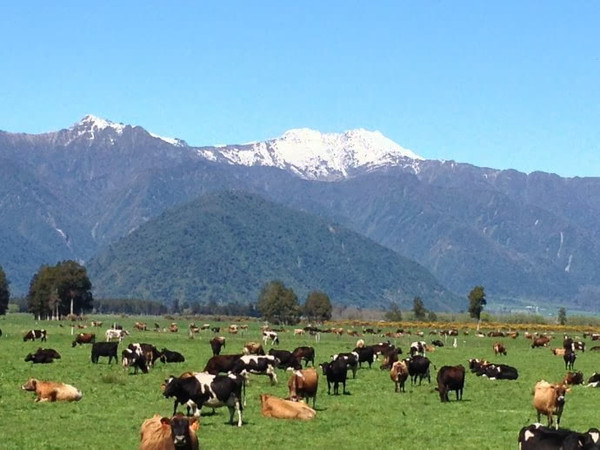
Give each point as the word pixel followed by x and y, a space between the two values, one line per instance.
pixel 32 335
pixel 451 378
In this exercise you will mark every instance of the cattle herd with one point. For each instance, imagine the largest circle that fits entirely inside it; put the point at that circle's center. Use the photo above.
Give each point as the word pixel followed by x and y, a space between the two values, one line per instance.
pixel 224 378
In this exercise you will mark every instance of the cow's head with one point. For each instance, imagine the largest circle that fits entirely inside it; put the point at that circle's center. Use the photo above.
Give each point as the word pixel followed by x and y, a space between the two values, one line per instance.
pixel 182 429
pixel 30 385
pixel 169 386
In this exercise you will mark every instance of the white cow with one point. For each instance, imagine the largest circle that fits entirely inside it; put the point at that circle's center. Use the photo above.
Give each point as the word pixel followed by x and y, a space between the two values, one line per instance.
pixel 115 334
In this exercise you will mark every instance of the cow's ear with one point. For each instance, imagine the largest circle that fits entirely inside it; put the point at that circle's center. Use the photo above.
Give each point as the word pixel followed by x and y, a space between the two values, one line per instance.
pixel 165 421
pixel 194 424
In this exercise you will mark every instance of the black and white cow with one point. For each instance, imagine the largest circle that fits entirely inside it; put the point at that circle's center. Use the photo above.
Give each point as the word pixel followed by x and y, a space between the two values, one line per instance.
pixel 115 334
pixel 569 357
pixel 418 348
pixel 594 380
pixel 287 360
pixel 498 372
pixel 351 360
pixel 108 349
pixel 270 336
pixel 205 389
pixel 256 364
pixel 168 356
pixel 539 437
pixel 32 335
pixel 134 356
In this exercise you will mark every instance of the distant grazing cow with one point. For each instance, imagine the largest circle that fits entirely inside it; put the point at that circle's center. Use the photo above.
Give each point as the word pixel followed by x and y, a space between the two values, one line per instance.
pixel 253 348
pixel 43 356
pixel 286 359
pixel 84 338
pixel 418 367
pixel 451 378
pixel 594 380
pixel 399 374
pixel 140 326
pixel 108 349
pixel 211 390
pixel 216 344
pixel 539 437
pixel 336 372
pixel 279 408
pixel 305 353
pixel 221 364
pixel 50 391
pixel 540 342
pixel 573 378
pixel 162 433
pixel 32 335
pixel 418 348
pixel 115 334
pixel 558 351
pixel 257 364
pixel 233 329
pixel 549 399
pixel 298 332
pixel 96 323
pixel 133 356
pixel 168 356
pixel 173 328
pixel 569 358
pixel 499 349
pixel 304 384
pixel 271 337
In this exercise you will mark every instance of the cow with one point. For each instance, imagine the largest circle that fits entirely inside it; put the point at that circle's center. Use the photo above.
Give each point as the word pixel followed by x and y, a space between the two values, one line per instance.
pixel 270 336
pixel 304 384
pixel 108 349
pixel 305 353
pixel 257 364
pixel 287 360
pixel 173 328
pixel 50 391
pixel 115 334
pixel 43 356
pixel 558 351
pixel 168 356
pixel 365 354
pixel 216 344
pixel 32 335
pixel 84 338
pixel 594 380
pixel 549 399
pixel 390 357
pixel 497 371
pixel 233 329
pixel 253 348
pixel 140 326
pixel 298 332
pixel 351 360
pixel 399 374
pixel 540 342
pixel 451 378
pixel 134 356
pixel 595 348
pixel 573 378
pixel 336 372
pixel 437 343
pixel 221 364
pixel 279 408
pixel 215 329
pixel 383 348
pixel 539 437
pixel 418 348
pixel 206 389
pixel 499 349
pixel 569 358
pixel 162 433
pixel 418 367
pixel 96 323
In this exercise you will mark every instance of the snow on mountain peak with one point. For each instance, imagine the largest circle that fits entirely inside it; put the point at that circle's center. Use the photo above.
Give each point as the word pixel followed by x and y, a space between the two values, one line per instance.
pixel 94 123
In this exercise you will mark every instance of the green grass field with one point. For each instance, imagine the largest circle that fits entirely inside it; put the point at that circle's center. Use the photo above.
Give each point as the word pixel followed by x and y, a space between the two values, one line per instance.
pixel 115 404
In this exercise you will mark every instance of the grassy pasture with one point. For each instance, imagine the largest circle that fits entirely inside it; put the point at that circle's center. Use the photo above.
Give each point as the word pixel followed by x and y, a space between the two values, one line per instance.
pixel 115 404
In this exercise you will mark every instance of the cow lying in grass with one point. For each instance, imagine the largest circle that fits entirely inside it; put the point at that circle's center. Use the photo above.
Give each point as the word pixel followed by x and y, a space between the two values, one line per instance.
pixel 162 433
pixel 50 391
pixel 279 408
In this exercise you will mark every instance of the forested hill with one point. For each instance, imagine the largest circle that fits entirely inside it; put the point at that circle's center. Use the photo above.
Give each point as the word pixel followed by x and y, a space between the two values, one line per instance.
pixel 225 246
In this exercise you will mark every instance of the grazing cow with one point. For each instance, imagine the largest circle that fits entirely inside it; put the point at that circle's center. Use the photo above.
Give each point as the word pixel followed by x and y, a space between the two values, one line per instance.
pixel 105 349
pixel 540 342
pixel 270 336
pixel 304 384
pixel 539 437
pixel 50 391
pixel 133 356
pixel 279 408
pixel 305 353
pixel 84 338
pixel 221 364
pixel 257 364
pixel 253 348
pixel 168 356
pixel 298 332
pixel 365 354
pixel 162 433
pixel 594 380
pixel 43 356
pixel 205 389
pixel 399 374
pixel 32 335
pixel 418 348
pixel 558 351
pixel 573 378
pixel 549 399
pixel 351 360
pixel 499 349
pixel 569 358
pixel 336 372
pixel 216 344
pixel 140 326
pixel 286 359
pixel 115 334
pixel 418 367
pixel 173 328
pixel 383 348
pixel 451 378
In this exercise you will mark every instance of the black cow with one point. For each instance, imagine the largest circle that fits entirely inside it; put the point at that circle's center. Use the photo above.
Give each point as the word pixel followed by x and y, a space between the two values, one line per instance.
pixel 134 356
pixel 43 356
pixel 336 372
pixel 351 360
pixel 216 344
pixel 257 364
pixel 32 335
pixel 451 378
pixel 210 390
pixel 365 354
pixel 569 358
pixel 305 353
pixel 286 359
pixel 105 349
pixel 389 358
pixel 437 343
pixel 221 364
pixel 418 367
pixel 539 437
pixel 167 356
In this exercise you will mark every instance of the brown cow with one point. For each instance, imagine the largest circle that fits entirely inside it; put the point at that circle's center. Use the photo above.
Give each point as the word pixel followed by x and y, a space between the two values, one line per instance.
pixel 549 399
pixel 279 408
pixel 162 433
pixel 573 378
pixel 253 348
pixel 50 391
pixel 540 342
pixel 303 384
pixel 499 349
pixel 399 374
pixel 173 328
pixel 216 344
pixel 451 378
pixel 140 326
pixel 84 338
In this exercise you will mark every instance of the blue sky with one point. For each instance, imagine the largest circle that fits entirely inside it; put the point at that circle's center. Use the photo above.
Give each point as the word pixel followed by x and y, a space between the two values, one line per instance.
pixel 512 84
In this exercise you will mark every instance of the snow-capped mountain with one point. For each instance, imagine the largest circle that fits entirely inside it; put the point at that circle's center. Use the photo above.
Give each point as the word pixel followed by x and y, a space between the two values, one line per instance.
pixel 313 155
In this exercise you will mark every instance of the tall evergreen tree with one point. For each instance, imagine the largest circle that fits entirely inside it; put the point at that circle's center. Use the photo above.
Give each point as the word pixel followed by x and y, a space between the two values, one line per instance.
pixel 476 303
pixel 4 292
pixel 562 315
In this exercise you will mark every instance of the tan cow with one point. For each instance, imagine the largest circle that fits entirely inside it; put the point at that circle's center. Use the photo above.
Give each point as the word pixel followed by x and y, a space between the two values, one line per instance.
pixel 399 374
pixel 162 433
pixel 253 348
pixel 50 391
pixel 499 349
pixel 279 408
pixel 173 328
pixel 549 399
pixel 303 384
pixel 558 351
pixel 140 326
